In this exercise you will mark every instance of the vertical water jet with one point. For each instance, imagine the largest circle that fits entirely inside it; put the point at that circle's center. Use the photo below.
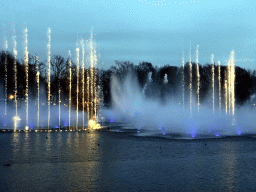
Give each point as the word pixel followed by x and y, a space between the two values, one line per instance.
pixel 190 81
pixel 49 74
pixel 83 52
pixel 230 86
pixel 70 84
pixel 59 90
pixel 149 80
pixel 219 79
pixel 26 72
pixel 231 83
pixel 77 85
pixel 38 89
pixel 212 61
pixel 15 52
pixel 198 77
pixel 183 80
pixel 95 88
pixel 226 95
pixel 88 93
pixel 91 76
pixel 93 93
pixel 165 79
pixel 5 71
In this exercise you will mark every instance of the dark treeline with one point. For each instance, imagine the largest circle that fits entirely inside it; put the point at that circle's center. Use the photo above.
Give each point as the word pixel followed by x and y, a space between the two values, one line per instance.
pixel 155 82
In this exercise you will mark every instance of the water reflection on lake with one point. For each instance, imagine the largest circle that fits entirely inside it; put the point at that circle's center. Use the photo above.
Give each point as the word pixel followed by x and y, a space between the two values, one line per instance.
pixel 119 161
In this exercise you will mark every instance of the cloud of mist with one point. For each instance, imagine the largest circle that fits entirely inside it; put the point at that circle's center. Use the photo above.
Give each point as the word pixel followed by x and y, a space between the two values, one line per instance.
pixel 6 121
pixel 130 104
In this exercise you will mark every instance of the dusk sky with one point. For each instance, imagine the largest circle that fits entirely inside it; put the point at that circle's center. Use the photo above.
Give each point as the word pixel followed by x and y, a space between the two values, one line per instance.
pixel 135 30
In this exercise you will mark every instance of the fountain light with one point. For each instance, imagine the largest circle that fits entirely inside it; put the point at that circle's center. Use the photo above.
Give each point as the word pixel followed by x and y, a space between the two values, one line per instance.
pixel 213 74
pixel 15 52
pixel 49 74
pixel 38 89
pixel 26 71
pixel 16 119
pixel 5 69
pixel 219 78
pixel 93 124
pixel 198 78
pixel 77 82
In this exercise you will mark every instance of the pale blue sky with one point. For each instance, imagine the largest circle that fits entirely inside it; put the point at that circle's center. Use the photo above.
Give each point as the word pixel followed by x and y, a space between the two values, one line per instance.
pixel 135 31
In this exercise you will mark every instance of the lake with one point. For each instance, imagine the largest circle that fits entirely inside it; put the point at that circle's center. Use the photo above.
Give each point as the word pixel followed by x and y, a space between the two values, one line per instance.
pixel 123 160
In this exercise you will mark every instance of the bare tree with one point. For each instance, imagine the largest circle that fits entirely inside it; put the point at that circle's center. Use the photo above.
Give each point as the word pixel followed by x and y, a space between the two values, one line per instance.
pixel 58 66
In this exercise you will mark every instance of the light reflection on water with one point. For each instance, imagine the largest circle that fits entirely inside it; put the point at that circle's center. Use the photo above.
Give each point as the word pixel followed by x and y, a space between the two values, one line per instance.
pixel 114 161
pixel 229 165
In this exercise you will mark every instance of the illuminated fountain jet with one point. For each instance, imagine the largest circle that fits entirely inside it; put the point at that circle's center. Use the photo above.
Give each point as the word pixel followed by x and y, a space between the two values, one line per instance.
pixel 16 120
pixel 92 88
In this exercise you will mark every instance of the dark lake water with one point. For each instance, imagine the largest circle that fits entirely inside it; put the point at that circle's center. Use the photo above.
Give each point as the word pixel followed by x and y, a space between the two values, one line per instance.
pixel 120 161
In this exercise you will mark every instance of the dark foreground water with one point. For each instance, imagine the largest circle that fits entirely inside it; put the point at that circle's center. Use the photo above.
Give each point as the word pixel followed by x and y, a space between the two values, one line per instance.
pixel 121 161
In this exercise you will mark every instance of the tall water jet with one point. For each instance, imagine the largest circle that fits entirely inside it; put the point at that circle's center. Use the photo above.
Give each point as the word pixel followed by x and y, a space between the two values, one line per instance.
pixel 88 93
pixel 92 115
pixel 49 74
pixel 70 87
pixel 26 72
pixel 231 83
pixel 83 52
pixel 59 90
pixel 95 89
pixel 212 61
pixel 15 52
pixel 5 78
pixel 198 77
pixel 219 79
pixel 190 81
pixel 38 89
pixel 226 94
pixel 77 85
pixel 165 79
pixel 183 80
pixel 16 119
pixel 149 80
pixel 150 77
pixel 91 81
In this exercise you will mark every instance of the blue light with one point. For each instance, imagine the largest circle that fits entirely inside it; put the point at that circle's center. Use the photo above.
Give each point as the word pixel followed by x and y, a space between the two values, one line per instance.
pixel 111 120
pixel 239 132
pixel 217 134
pixel 193 134
pixel 31 126
pixel 163 131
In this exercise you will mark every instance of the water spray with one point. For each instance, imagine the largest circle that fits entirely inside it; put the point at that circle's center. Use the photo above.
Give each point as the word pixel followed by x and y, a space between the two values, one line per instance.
pixel 49 74
pixel 26 71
